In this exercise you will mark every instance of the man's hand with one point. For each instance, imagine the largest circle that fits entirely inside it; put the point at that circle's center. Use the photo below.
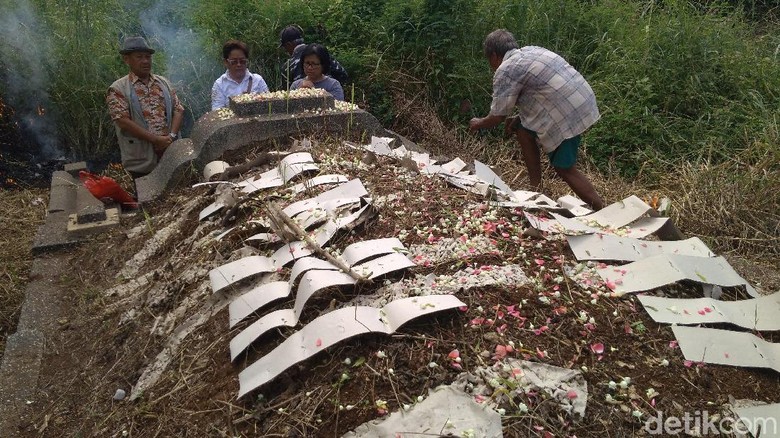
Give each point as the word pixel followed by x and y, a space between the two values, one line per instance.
pixel 510 126
pixel 485 122
pixel 161 143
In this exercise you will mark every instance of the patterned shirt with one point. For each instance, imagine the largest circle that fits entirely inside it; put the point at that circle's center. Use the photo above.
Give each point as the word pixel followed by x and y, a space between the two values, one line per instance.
pixel 225 87
pixel 152 104
pixel 551 97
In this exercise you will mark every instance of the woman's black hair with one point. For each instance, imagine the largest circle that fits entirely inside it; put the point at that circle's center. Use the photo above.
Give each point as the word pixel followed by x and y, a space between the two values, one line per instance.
pixel 231 45
pixel 321 52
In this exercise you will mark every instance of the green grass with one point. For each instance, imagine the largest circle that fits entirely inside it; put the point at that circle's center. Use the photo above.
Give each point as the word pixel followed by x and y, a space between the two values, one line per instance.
pixel 680 84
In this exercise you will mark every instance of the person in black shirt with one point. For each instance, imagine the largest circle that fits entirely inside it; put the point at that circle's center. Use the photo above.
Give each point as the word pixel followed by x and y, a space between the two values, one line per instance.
pixel 291 39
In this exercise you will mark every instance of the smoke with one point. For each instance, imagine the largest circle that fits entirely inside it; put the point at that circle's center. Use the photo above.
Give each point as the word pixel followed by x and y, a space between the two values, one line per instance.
pixel 24 53
pixel 189 65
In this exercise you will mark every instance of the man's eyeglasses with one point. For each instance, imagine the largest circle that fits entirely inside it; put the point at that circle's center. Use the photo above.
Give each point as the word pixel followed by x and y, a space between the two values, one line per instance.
pixel 242 61
pixel 311 64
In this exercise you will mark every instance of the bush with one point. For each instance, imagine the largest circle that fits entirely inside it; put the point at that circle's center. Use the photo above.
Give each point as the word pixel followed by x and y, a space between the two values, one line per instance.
pixel 675 80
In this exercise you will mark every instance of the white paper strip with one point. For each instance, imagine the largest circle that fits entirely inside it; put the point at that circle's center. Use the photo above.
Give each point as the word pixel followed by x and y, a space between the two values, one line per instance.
pixel 618 214
pixel 256 299
pixel 645 226
pixel 725 347
pixel 335 327
pixel 264 237
pixel 289 252
pixel 454 166
pixel 307 264
pixel 251 185
pixel 761 421
pixel 214 168
pixel 576 206
pixel 221 235
pixel 611 247
pixel 296 158
pixel 290 171
pixel 445 405
pixel 759 314
pixel 311 282
pixel 563 225
pixel 315 281
pixel 275 319
pixel 318 181
pixel 538 201
pixel 232 272
pixel 487 175
pixel 470 183
pixel 209 210
pixel 661 270
pixel 289 167
pixel 357 252
pixel 380 145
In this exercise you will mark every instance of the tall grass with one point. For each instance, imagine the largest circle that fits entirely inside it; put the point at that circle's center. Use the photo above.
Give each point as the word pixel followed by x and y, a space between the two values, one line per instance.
pixel 687 89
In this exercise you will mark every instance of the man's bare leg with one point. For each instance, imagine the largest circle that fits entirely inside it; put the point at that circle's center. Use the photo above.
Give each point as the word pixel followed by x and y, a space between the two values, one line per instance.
pixel 581 186
pixel 532 157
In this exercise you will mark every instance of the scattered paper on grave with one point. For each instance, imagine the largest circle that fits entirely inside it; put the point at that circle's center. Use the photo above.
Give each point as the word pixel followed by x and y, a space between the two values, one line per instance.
pixel 660 270
pixel 335 327
pixel 725 347
pixel 755 314
pixel 610 247
pixel 446 409
pixel 567 387
pixel 288 168
pixel 760 420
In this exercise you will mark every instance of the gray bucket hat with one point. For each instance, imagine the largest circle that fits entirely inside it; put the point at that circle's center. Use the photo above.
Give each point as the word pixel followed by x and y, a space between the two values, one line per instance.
pixel 135 44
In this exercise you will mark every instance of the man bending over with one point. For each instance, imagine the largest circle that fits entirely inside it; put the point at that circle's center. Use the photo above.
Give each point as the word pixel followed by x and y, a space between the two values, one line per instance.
pixel 554 105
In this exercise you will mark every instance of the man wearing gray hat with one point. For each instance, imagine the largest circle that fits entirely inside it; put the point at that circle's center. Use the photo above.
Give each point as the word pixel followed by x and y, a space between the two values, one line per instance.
pixel 144 108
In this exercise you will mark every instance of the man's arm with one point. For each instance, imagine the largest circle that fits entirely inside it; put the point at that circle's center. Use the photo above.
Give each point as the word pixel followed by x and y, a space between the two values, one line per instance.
pixel 133 129
pixel 178 117
pixel 488 121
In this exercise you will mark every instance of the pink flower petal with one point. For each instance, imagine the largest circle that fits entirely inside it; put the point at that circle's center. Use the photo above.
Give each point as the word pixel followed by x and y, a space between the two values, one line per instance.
pixel 572 394
pixel 597 348
pixel 454 354
pixel 319 342
pixel 539 262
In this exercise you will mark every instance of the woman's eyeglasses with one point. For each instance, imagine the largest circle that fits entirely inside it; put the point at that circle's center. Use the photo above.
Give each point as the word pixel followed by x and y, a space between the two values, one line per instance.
pixel 242 61
pixel 311 64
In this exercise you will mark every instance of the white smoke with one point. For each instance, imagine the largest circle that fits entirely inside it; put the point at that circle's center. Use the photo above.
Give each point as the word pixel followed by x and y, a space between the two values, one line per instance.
pixel 190 66
pixel 26 54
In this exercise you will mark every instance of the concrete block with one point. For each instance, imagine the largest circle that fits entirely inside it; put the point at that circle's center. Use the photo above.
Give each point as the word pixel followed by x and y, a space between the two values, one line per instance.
pixel 62 178
pixel 88 208
pixel 74 168
pixel 275 107
pixel 79 231
pixel 53 234
pixel 62 198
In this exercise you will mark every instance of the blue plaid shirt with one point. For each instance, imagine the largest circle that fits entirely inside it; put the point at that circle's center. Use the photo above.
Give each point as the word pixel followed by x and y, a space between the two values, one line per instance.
pixel 549 95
